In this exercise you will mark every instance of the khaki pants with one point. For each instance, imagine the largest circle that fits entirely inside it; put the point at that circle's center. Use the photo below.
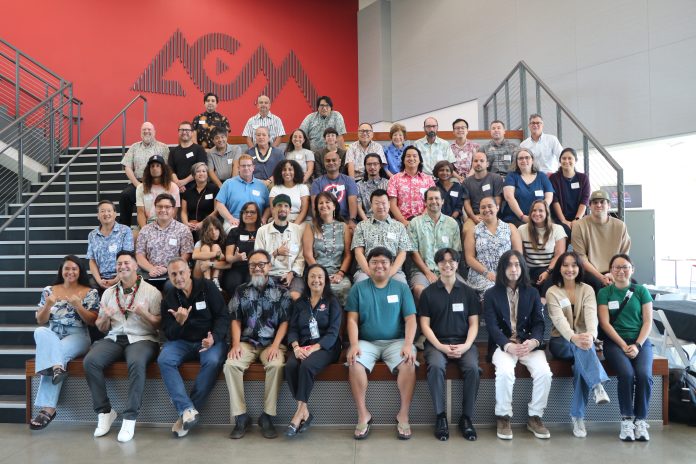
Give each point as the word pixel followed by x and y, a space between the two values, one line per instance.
pixel 234 376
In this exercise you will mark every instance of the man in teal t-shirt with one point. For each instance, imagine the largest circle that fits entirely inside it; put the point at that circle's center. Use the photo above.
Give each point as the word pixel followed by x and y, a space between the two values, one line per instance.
pixel 381 325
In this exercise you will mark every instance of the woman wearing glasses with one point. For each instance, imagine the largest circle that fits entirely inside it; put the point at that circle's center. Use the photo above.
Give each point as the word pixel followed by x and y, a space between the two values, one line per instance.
pixel 239 243
pixel 625 316
pixel 522 186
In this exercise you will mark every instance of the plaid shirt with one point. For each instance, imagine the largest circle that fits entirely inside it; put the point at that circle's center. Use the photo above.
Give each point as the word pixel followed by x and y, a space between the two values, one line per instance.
pixel 388 233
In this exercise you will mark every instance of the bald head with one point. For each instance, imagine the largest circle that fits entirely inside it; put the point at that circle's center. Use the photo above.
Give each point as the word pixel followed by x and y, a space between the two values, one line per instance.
pixel 147 132
pixel 263 103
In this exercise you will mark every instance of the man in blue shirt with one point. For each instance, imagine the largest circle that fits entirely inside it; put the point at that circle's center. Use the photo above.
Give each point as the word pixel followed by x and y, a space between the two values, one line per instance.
pixel 237 191
pixel 343 187
pixel 381 322
pixel 104 243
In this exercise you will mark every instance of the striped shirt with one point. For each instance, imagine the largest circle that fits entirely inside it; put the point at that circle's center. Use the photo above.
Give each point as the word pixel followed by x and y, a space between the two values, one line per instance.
pixel 273 122
pixel 544 254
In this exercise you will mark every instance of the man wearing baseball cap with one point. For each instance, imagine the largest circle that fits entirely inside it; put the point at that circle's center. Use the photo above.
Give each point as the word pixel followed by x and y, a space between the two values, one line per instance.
pixel 283 241
pixel 596 238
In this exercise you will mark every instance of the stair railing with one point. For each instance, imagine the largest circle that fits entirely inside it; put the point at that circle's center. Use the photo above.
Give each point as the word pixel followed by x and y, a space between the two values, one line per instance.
pixel 523 89
pixel 65 171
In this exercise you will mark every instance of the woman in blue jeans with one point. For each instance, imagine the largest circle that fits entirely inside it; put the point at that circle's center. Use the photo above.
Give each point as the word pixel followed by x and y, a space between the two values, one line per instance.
pixel 573 310
pixel 625 316
pixel 69 306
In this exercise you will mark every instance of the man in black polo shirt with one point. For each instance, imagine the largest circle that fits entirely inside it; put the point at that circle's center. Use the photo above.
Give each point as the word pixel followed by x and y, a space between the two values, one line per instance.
pixel 449 320
pixel 184 156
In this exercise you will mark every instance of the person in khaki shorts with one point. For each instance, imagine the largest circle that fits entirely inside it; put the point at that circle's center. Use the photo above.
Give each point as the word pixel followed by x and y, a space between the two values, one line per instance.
pixel 259 311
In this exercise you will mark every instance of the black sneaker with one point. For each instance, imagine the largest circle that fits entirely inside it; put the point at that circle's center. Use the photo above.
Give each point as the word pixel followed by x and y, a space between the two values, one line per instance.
pixel 467 428
pixel 268 430
pixel 441 427
pixel 241 425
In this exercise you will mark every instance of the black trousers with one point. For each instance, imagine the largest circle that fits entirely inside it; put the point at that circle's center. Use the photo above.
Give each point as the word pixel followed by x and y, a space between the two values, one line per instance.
pixel 300 374
pixel 126 205
pixel 233 278
pixel 437 367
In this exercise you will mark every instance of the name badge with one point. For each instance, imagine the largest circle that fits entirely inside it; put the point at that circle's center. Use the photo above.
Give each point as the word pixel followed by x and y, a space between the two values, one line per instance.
pixel 392 298
pixel 299 157
pixel 445 239
pixel 422 190
pixel 200 305
pixel 172 241
pixel 565 302
pixel 244 238
pixel 340 188
pixel 256 193
pixel 112 248
pixel 539 193
pixel 230 161
pixel 613 305
pixel 457 307
pixel 575 185
pixel 202 122
pixel 391 235
pixel 294 248
pixel 209 196
pixel 507 157
pixel 485 187
pixel 189 154
pixel 454 194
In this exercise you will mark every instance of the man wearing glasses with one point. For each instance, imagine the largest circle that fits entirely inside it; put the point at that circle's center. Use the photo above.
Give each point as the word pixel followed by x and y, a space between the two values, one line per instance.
pixel 316 123
pixel 546 147
pixel 184 156
pixel 432 147
pixel 237 191
pixel 260 311
pixel 355 156
pixel 596 238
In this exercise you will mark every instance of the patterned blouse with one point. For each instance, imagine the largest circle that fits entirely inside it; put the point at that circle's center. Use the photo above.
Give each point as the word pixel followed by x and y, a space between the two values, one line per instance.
pixel 408 191
pixel 489 249
pixel 63 313
pixel 463 156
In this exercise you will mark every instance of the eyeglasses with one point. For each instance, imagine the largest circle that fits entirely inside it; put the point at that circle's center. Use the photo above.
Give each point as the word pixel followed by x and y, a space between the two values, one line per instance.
pixel 163 207
pixel 536 123
pixel 249 211
pixel 621 268
pixel 448 262
pixel 460 127
pixel 324 105
pixel 246 166
pixel 432 126
pixel 380 262
pixel 364 131
pixel 259 265
pixel 185 130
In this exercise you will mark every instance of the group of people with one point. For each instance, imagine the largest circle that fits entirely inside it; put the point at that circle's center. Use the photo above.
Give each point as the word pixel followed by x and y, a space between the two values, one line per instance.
pixel 414 242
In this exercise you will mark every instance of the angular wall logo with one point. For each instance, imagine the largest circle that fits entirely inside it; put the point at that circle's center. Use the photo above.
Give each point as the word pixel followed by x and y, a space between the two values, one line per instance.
pixel 192 57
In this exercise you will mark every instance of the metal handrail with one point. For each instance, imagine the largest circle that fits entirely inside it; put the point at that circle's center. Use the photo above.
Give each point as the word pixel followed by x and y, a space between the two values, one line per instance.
pixel 32 60
pixel 522 68
pixel 40 105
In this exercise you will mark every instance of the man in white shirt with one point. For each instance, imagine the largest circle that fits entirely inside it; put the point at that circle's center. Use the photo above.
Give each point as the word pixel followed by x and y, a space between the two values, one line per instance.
pixel 546 147
pixel 432 147
pixel 264 118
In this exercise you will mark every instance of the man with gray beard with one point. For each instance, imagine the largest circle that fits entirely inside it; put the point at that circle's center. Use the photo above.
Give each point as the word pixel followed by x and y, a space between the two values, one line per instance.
pixel 259 310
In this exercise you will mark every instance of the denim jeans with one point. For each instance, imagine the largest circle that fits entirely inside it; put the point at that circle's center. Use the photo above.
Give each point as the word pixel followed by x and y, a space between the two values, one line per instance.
pixel 173 354
pixel 587 371
pixel 634 378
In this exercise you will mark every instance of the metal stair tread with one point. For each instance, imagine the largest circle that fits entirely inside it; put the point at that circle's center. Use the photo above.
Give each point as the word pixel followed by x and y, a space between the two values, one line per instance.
pixel 21 256
pixel 85 182
pixel 17 349
pixel 79 192
pixel 18 308
pixel 13 401
pixel 12 374
pixel 35 272
pixel 39 242
pixel 18 327
pixel 51 228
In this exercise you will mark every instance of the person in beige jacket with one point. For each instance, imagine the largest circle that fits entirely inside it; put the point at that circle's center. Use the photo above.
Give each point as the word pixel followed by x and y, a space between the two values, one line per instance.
pixel 572 306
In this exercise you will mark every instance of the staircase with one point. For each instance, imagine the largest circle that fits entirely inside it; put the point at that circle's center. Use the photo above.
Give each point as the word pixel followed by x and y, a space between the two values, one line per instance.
pixel 48 245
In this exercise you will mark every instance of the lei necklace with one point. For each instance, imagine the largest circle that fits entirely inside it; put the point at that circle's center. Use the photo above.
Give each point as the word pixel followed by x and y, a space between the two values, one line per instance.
pixel 129 291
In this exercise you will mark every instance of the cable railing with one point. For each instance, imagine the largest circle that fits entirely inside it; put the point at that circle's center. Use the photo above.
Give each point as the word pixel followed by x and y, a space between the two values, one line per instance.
pixel 523 93
pixel 64 172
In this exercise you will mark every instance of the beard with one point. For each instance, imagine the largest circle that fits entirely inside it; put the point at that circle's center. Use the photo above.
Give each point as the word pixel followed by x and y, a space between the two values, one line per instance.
pixel 258 281
pixel 147 139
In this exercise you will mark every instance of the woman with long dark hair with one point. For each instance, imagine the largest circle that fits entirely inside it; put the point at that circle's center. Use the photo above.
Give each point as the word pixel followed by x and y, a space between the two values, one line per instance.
pixel 238 245
pixel 157 178
pixel 288 180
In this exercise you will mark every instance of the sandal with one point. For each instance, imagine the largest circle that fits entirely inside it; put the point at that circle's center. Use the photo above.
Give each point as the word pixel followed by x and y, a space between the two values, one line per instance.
pixel 59 374
pixel 362 431
pixel 42 419
pixel 403 430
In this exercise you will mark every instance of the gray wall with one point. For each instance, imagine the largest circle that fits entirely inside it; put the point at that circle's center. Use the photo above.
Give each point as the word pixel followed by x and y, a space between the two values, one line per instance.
pixel 626 68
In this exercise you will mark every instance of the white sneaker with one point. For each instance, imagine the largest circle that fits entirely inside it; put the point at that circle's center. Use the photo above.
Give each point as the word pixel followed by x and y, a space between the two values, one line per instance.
pixel 178 428
pixel 642 430
pixel 579 427
pixel 104 421
pixel 127 430
pixel 190 418
pixel 627 428
pixel 600 394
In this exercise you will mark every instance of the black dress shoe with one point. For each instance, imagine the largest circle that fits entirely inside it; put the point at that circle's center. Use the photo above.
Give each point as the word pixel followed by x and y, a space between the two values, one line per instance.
pixel 268 430
pixel 467 428
pixel 241 425
pixel 441 427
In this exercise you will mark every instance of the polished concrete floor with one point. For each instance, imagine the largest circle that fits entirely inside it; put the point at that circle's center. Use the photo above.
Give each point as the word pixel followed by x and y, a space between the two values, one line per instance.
pixel 61 443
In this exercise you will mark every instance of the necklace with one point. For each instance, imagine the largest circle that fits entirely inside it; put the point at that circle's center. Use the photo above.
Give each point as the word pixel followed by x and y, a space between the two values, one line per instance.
pixel 127 291
pixel 265 157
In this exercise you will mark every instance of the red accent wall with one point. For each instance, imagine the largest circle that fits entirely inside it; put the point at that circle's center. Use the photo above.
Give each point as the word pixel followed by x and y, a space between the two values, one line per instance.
pixel 104 47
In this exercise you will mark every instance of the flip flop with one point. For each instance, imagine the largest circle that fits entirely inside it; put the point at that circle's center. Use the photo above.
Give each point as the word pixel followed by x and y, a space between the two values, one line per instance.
pixel 304 425
pixel 362 431
pixel 42 419
pixel 403 430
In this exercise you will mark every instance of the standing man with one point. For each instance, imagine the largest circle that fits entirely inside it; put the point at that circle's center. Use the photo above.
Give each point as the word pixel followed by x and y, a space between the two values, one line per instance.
pixel 343 187
pixel 283 241
pixel 130 313
pixel 104 243
pixel 260 312
pixel 430 232
pixel 206 122
pixel 596 238
pixel 381 322
pixel 264 118
pixel 481 184
pixel 371 182
pixel 500 152
pixel 134 162
pixel 237 191
pixel 196 324
pixel 314 124
pixel 546 147
pixel 449 319
pixel 221 157
pixel 184 156
pixel 265 156
pixel 432 147
pixel 358 150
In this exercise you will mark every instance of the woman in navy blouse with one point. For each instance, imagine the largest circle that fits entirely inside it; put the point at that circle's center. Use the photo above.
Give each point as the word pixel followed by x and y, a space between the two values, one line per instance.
pixel 522 186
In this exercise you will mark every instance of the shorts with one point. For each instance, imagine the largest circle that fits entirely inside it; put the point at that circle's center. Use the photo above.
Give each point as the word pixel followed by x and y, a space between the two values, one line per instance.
pixel 388 351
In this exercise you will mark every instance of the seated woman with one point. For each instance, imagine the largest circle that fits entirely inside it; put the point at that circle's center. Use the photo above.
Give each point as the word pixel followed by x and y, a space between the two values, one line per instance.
pixel 514 299
pixel 287 179
pixel 406 188
pixel 299 151
pixel 394 152
pixel 208 252
pixel 157 178
pixel 625 316
pixel 491 238
pixel 543 242
pixel 326 241
pixel 313 335
pixel 571 191
pixel 199 202
pixel 522 186
pixel 69 306
pixel 453 193
pixel 572 306
pixel 239 243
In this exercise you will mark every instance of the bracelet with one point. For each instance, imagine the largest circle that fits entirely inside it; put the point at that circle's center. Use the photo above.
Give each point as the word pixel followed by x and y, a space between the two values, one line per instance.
pixel 341 271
